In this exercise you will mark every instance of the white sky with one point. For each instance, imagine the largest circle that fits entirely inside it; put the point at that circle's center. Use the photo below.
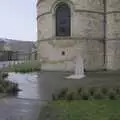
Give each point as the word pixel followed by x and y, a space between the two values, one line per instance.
pixel 18 19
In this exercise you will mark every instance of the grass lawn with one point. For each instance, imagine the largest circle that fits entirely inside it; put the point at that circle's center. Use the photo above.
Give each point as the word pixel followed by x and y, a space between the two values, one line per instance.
pixel 82 110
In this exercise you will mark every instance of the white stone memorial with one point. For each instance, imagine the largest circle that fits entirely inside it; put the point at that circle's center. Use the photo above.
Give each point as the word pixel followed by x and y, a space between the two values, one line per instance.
pixel 79 68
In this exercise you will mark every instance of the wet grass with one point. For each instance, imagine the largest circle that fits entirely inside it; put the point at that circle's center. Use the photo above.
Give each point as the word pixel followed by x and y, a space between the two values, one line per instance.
pixel 82 110
pixel 26 67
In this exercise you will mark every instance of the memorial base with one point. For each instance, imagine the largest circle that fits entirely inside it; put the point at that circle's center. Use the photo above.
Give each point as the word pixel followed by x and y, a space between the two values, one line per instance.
pixel 75 77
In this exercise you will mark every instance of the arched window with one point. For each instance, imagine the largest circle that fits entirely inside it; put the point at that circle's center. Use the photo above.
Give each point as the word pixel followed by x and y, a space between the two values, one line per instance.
pixel 63 20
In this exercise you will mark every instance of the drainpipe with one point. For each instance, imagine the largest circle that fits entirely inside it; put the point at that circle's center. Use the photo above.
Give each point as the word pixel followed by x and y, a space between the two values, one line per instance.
pixel 105 21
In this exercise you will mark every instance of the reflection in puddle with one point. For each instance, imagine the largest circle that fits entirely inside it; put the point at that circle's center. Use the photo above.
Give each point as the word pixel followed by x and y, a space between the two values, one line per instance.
pixel 28 83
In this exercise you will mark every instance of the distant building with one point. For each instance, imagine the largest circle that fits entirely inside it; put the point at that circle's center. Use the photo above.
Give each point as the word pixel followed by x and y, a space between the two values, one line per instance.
pixel 13 50
pixel 6 54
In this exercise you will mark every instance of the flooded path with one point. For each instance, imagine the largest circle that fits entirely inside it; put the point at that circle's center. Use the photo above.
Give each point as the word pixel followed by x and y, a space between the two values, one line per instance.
pixel 26 105
pixel 28 83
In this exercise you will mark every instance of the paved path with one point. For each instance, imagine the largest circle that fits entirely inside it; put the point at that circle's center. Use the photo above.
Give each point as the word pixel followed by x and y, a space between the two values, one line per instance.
pixel 19 109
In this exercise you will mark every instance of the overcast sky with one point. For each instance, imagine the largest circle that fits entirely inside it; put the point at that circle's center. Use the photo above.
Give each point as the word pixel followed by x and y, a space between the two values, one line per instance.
pixel 18 19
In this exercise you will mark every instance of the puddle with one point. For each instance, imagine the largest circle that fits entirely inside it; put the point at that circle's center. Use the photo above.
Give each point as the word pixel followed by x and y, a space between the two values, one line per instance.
pixel 28 83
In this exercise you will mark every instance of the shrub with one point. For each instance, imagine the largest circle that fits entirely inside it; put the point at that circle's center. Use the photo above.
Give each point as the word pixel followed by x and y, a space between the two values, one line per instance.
pixel 98 95
pixel 14 88
pixel 8 87
pixel 76 96
pixel 2 90
pixel 63 93
pixel 104 91
pixel 79 90
pixel 92 91
pixel 85 95
pixel 112 95
pixel 4 75
pixel 117 90
pixel 70 96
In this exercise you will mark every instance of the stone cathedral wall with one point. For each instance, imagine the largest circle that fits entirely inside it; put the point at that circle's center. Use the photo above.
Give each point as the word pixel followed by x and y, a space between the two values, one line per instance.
pixel 113 34
pixel 87 33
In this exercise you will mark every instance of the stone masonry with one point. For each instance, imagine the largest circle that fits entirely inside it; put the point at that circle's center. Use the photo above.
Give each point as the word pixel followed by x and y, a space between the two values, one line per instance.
pixel 95 29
